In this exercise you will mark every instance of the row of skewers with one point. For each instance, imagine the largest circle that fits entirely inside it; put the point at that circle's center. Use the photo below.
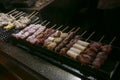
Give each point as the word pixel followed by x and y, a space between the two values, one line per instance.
pixel 67 43
pixel 16 19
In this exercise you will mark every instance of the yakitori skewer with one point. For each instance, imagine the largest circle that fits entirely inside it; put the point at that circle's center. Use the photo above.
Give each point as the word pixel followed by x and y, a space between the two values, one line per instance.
pixel 90 53
pixel 50 42
pixel 6 19
pixel 44 35
pixel 75 51
pixel 33 29
pixel 32 39
pixel 21 22
pixel 72 42
pixel 56 38
pixel 66 40
pixel 102 55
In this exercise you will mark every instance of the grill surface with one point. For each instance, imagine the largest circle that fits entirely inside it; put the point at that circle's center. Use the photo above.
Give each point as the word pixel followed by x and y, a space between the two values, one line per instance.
pixel 65 62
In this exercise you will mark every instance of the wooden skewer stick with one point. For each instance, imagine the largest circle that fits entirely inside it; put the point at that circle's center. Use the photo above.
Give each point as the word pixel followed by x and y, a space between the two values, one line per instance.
pixel 77 29
pixel 112 40
pixel 71 30
pixel 53 26
pixel 20 15
pixel 43 22
pixel 33 15
pixel 65 28
pixel 17 15
pixel 59 27
pixel 83 33
pixel 47 23
pixel 11 11
pixel 37 22
pixel 101 38
pixel 90 36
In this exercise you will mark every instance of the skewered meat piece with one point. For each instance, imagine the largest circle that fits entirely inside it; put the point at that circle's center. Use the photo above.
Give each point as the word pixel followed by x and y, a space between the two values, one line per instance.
pixel 1 14
pixel 50 39
pixel 8 27
pixel 64 42
pixel 106 48
pixel 99 60
pixel 26 32
pixel 78 51
pixel 21 23
pixel 77 37
pixel 102 56
pixel 54 38
pixel 18 24
pixel 24 20
pixel 57 40
pixel 79 47
pixel 85 59
pixel 43 36
pixel 17 35
pixel 32 39
pixel 72 54
pixel 83 43
pixel 48 30
pixel 4 23
pixel 95 45
pixel 32 30
pixel 75 46
pixel 27 28
pixel 56 34
pixel 63 51
pixel 70 44
pixel 91 52
pixel 63 35
pixel 25 35
pixel 51 45
pixel 6 19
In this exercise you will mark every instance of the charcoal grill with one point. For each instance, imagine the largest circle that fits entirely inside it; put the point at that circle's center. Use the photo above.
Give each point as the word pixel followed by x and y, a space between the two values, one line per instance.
pixel 106 72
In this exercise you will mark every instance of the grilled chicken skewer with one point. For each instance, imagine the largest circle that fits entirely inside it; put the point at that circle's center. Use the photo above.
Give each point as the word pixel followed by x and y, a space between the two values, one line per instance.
pixel 71 33
pixel 101 57
pixel 32 39
pixel 39 39
pixel 90 53
pixel 50 38
pixel 71 43
pixel 74 52
pixel 29 30
pixel 55 39
pixel 21 22
pixel 43 36
pixel 37 28
pixel 5 19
